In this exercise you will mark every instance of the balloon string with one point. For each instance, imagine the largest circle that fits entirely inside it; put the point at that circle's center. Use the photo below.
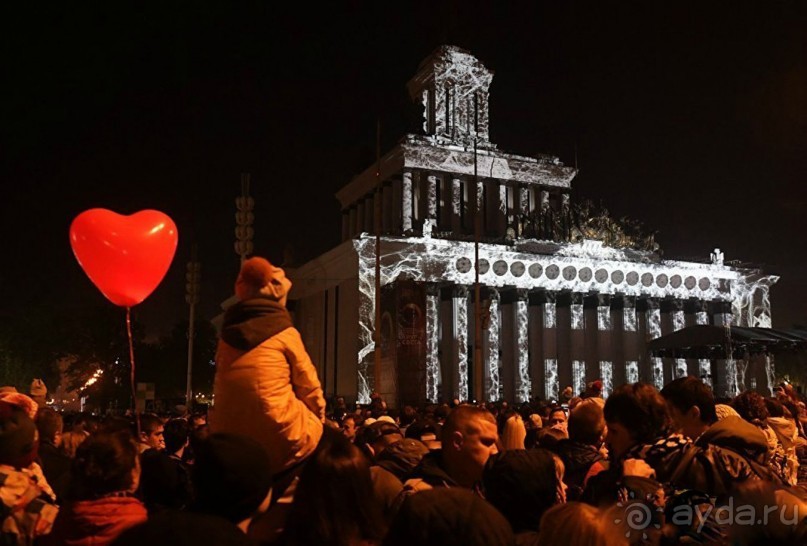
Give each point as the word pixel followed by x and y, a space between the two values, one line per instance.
pixel 132 369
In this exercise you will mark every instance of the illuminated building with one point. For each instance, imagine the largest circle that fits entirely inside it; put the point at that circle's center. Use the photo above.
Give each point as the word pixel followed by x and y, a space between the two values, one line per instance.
pixel 568 295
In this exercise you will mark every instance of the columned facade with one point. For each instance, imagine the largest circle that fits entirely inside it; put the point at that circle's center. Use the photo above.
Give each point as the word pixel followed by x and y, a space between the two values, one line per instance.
pixel 568 295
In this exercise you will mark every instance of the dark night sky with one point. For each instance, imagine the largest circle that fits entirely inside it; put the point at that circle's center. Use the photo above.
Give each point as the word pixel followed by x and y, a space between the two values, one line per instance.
pixel 690 117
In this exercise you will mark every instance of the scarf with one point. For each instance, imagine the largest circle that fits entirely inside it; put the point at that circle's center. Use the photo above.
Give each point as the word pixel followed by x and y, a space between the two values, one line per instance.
pixel 249 323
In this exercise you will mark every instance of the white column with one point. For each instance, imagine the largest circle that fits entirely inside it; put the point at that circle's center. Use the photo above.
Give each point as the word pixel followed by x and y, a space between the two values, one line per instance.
pixel 523 384
pixel 431 197
pixel 552 384
pixel 550 346
pixel 432 341
pixel 632 371
pixel 607 375
pixel 678 316
pixel 705 369
pixel 657 371
pixel 523 200
pixel 680 369
pixel 493 384
pixel 456 204
pixel 578 376
pixel 653 318
pixel 460 298
pixel 406 201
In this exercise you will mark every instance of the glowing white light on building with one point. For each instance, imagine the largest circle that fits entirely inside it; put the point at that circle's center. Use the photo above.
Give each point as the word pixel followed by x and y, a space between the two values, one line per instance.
pixel 657 368
pixel 406 201
pixel 702 318
pixel 680 367
pixel 578 322
pixel 742 367
pixel 730 373
pixel 432 344
pixel 653 323
pixel 705 370
pixel 632 371
pixel 461 323
pixel 629 319
pixel 523 385
pixel 770 372
pixel 425 259
pixel 751 304
pixel 578 376
pixel 550 314
pixel 607 374
pixel 493 383
pixel 552 384
pixel 603 317
pixel 678 320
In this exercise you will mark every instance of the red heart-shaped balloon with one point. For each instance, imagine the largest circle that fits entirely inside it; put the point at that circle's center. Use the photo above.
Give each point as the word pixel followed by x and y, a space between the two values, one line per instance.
pixel 126 257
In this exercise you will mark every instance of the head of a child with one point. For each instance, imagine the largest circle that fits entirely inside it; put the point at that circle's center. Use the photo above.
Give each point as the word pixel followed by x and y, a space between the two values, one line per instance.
pixel 260 279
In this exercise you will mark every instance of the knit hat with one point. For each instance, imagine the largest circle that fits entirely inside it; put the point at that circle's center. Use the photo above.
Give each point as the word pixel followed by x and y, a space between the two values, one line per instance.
pixel 259 278
pixel 18 436
pixel 723 411
pixel 230 476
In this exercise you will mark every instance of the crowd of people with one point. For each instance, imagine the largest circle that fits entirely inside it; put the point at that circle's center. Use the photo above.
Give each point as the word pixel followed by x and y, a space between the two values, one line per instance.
pixel 273 464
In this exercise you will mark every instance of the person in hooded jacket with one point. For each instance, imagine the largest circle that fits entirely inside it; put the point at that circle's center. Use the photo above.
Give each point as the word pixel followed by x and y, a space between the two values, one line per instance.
pixel 27 503
pixel 729 450
pixel 266 386
pixel 101 502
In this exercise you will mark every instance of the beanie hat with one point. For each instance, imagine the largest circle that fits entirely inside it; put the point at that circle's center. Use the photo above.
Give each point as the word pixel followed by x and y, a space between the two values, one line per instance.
pixel 723 411
pixel 18 439
pixel 230 476
pixel 259 278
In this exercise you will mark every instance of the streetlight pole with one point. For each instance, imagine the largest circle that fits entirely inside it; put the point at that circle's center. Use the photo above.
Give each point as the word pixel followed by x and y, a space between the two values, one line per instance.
pixel 243 219
pixel 192 298
pixel 478 366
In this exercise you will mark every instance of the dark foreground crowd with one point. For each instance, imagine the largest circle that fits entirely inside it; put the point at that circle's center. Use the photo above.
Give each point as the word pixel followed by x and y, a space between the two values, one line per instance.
pixel 270 464
pixel 642 467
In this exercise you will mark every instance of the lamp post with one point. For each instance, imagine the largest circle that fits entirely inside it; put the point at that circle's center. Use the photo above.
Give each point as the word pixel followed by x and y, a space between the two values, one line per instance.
pixel 244 219
pixel 193 277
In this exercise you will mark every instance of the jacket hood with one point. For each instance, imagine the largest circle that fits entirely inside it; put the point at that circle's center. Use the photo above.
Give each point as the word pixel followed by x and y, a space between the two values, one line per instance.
pixel 402 457
pixel 785 430
pixel 737 434
pixel 249 323
pixel 100 518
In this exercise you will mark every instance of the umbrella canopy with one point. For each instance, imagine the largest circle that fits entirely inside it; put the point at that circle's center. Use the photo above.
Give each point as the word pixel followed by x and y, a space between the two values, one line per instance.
pixel 751 339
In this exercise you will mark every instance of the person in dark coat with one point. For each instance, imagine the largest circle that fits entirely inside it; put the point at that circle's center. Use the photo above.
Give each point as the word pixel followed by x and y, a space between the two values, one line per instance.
pixel 468 438
pixel 449 517
pixel 55 464
pixel 522 485
pixel 165 482
pixel 581 453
